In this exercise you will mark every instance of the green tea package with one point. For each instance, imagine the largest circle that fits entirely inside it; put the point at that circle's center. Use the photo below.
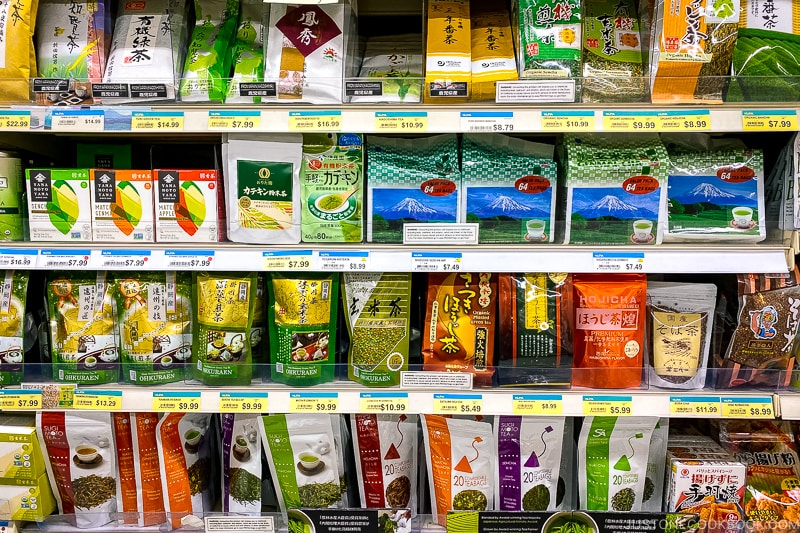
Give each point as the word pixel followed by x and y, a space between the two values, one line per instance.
pixel 258 332
pixel 208 62
pixel 13 298
pixel 377 314
pixel 248 51
pixel 154 313
pixel 332 187
pixel 302 327
pixel 653 496
pixel 394 61
pixel 224 305
pixel 262 187
pixel 241 463
pixel 83 334
pixel 612 462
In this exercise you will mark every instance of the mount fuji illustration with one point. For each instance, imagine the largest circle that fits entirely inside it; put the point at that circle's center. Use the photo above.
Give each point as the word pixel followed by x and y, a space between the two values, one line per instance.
pixel 414 209
pixel 706 192
pixel 505 206
pixel 611 206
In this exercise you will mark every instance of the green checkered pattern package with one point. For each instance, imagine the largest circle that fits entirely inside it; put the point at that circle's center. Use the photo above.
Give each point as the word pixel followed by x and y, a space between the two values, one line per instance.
pixel 492 159
pixel 596 160
pixel 409 162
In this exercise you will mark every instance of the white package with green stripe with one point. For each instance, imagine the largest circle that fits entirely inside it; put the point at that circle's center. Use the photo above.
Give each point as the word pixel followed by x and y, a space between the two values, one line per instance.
pixel 612 462
pixel 508 188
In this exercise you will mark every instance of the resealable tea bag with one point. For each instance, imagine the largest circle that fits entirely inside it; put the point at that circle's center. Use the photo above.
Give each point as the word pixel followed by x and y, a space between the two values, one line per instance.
pixel 448 53
pixel 396 60
pixel 17 53
pixel 12 325
pixel 127 504
pixel 653 495
pixel 248 51
pixel 147 466
pixel 241 463
pixel 492 50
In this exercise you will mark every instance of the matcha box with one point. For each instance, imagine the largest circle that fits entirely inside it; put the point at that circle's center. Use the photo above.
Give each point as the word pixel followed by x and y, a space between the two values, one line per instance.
pixel 122 205
pixel 20 454
pixel 26 500
pixel 59 205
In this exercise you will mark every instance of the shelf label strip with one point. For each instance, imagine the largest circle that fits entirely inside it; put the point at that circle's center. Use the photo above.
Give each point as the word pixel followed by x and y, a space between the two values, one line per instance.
pixel 313 402
pixel 451 404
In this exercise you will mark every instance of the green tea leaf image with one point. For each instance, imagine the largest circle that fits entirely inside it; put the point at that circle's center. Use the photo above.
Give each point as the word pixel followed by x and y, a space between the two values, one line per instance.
pixel 64 208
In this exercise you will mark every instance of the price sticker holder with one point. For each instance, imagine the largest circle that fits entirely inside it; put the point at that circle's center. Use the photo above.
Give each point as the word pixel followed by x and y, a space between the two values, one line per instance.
pixel 291 261
pixel 15 120
pixel 112 259
pixel 399 121
pixel 759 407
pixel 243 402
pixel 436 261
pixel 150 121
pixel 343 261
pixel 97 400
pixel 176 402
pixel 313 402
pixel 457 404
pixel 183 259
pixel 77 120
pixel 631 262
pixel 234 120
pixel 705 406
pixel 538 404
pixel 561 121
pixel 20 399
pixel 383 402
pixel 607 405
pixel 699 120
pixel 487 121
pixel 635 121
pixel 53 259
pixel 769 120
pixel 15 258
pixel 324 121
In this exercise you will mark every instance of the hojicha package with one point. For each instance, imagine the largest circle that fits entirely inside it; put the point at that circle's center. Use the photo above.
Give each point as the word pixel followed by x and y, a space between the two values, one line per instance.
pixel 535 311
pixel 492 50
pixel 154 314
pixel 302 322
pixel 448 55
pixel 17 52
pixel 609 330
pixel 223 313
pixel 84 343
pixel 14 287
pixel 460 321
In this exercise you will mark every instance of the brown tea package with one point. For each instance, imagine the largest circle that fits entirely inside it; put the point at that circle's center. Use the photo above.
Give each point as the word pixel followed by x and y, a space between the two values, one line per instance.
pixel 609 330
pixel 460 320
pixel 535 311
pixel 761 350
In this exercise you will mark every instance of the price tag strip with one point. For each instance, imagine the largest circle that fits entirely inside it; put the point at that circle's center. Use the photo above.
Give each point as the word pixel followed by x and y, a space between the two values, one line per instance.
pixel 113 259
pixel 20 399
pixel 325 121
pixel 14 120
pixel 436 261
pixel 54 259
pixel 18 258
pixel 344 261
pixel 243 402
pixel 538 404
pixel 705 406
pixel 142 121
pixel 313 402
pixel 234 120
pixel 297 260
pixel 630 121
pixel 176 402
pixel 699 120
pixel 487 121
pixel 416 121
pixel 607 405
pixel 97 400
pixel 771 120
pixel 619 262
pixel 383 402
pixel 750 407
pixel 561 121
pixel 453 404
pixel 80 120
pixel 183 259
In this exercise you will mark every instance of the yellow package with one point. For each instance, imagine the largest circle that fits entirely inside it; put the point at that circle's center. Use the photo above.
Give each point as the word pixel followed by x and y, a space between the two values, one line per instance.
pixel 492 53
pixel 17 55
pixel 448 55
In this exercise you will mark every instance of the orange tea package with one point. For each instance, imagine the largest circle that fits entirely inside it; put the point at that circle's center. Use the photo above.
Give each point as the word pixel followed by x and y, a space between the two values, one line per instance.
pixel 459 324
pixel 609 330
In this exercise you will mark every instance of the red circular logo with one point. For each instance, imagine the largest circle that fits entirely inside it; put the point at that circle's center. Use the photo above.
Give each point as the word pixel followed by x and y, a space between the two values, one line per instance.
pixel 640 185
pixel 532 184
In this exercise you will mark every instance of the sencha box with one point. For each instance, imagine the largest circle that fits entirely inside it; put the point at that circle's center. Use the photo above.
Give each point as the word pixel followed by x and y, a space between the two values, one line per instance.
pixel 59 204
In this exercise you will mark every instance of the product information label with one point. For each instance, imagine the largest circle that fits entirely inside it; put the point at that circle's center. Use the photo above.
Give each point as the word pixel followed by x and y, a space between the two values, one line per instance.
pixel 538 404
pixel 748 407
pixel 401 121
pixel 298 260
pixel 157 121
pixel 314 402
pixel 440 233
pixel 705 406
pixel 343 261
pixel 619 262
pixel 53 259
pixel 79 120
pixel 436 262
pixel 451 404
pixel 240 524
pixel 561 121
pixel 114 259
pixel 234 120
pixel 20 399
pixel 183 259
pixel 173 402
pixel 18 258
pixel 487 121
pixel 383 402
pixel 772 120
pixel 607 405
pixel 325 121
pixel 97 400
pixel 11 120
pixel 243 402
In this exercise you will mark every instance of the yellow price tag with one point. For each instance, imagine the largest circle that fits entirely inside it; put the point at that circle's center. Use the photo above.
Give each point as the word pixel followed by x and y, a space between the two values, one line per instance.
pixel 20 399
pixel 401 121
pixel 234 120
pixel 301 121
pixel 758 407
pixel 157 121
pixel 561 121
pixel 384 402
pixel 176 402
pixel 288 261
pixel 607 405
pixel 243 402
pixel 706 406
pixel 15 120
pixel 771 120
pixel 313 402
pixel 97 400
pixel 538 404
pixel 630 121
pixel 457 404
pixel 684 120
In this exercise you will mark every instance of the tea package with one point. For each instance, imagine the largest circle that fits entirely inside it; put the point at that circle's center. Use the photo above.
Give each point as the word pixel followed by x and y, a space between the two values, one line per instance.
pixel 396 62
pixel 190 206
pixel 154 314
pixel 241 463
pixel 566 490
pixel 535 312
pixel 460 321
pixel 332 187
pixel 59 205
pixel 529 460
pixel 612 52
pixel 302 327
pixel 508 188
pixel 615 189
pixel 692 50
pixel 462 465
pixel 13 300
pixel 147 466
pixel 377 313
pixel 302 460
pixel 653 496
pixel 81 464
pixel 17 53
pixel 680 322
pixel 127 502
pixel 122 205
pixel 262 186
pixel 493 57
pixel 13 219
pixel 448 54
pixel 386 454
pixel 609 330
pixel 612 462
pixel 258 331
pixel 248 51
pixel 208 62
pixel 84 343
pixel 223 311
pixel 410 181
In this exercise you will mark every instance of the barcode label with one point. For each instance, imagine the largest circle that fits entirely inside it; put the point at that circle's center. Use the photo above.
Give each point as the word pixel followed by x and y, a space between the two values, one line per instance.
pixel 170 292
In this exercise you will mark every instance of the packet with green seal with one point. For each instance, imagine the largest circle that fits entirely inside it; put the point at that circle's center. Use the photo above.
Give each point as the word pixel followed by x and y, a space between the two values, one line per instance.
pixel 13 296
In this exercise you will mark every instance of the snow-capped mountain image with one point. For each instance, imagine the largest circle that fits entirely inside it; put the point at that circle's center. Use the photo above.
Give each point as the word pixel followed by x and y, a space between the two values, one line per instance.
pixel 614 206
pixel 490 202
pixel 412 207
pixel 706 192
pixel 413 204
pixel 709 189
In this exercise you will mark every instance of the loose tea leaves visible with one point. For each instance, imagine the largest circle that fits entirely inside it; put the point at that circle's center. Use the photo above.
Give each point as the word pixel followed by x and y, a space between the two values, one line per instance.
pixel 241 463
pixel 92 490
